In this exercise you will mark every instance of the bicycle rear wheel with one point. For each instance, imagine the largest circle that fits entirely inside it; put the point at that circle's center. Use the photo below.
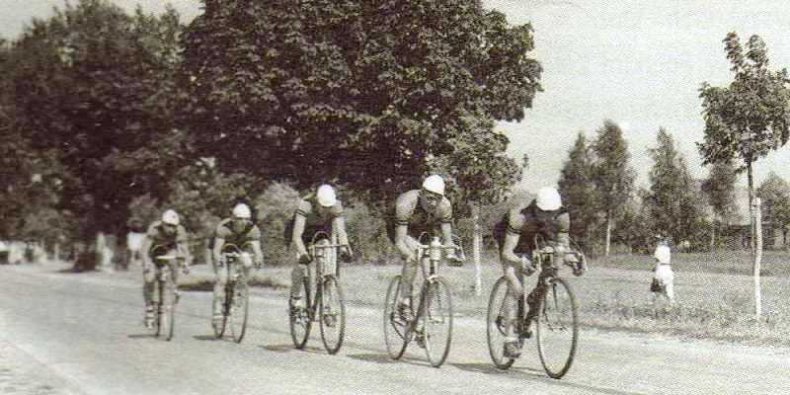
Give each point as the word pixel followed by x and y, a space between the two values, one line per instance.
pixel 394 328
pixel 437 320
pixel 332 314
pixel 300 322
pixel 557 327
pixel 496 322
pixel 239 309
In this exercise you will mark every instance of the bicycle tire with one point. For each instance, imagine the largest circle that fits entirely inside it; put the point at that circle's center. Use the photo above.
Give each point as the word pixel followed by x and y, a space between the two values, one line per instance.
pixel 495 326
pixel 301 323
pixel 557 315
pixel 158 324
pixel 170 308
pixel 239 310
pixel 332 314
pixel 436 313
pixel 394 330
pixel 219 330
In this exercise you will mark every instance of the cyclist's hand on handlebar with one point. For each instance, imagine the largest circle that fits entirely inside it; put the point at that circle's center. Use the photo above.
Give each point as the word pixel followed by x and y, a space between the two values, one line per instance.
pixel 345 254
pixel 304 259
pixel 527 265
pixel 454 260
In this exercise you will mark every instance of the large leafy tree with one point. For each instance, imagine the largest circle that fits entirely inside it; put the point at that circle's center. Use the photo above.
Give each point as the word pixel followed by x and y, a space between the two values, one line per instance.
pixel 577 187
pixel 775 193
pixel 614 178
pixel 366 93
pixel 747 119
pixel 95 85
pixel 673 197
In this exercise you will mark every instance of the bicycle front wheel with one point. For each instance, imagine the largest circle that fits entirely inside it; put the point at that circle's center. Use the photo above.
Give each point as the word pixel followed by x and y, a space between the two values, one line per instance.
pixel 436 319
pixel 299 320
pixel 557 327
pixel 219 328
pixel 239 308
pixel 332 314
pixel 169 306
pixel 395 329
pixel 496 324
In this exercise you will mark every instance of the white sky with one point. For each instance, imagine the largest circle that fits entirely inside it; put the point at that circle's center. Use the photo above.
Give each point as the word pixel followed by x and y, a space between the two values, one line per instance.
pixel 639 63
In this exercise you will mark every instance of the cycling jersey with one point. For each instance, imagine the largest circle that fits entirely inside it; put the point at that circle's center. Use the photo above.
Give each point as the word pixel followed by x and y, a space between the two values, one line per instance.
pixel 225 231
pixel 409 212
pixel 316 220
pixel 529 221
pixel 159 237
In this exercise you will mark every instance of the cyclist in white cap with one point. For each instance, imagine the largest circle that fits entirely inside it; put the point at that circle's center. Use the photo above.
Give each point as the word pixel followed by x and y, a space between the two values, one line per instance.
pixel 241 231
pixel 419 211
pixel 166 233
pixel 515 234
pixel 320 211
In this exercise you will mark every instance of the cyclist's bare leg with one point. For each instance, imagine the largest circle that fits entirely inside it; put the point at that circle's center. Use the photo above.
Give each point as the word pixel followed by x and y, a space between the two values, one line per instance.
pixel 513 275
pixel 220 279
pixel 408 272
pixel 297 277
pixel 148 293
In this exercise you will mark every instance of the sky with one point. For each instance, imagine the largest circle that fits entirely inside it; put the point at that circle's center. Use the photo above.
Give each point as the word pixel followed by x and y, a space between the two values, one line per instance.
pixel 639 63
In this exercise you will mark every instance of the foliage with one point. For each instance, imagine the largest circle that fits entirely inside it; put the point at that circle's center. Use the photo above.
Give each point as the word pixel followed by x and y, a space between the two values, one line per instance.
pixel 330 90
pixel 775 193
pixel 576 185
pixel 673 201
pixel 93 85
pixel 613 177
pixel 719 189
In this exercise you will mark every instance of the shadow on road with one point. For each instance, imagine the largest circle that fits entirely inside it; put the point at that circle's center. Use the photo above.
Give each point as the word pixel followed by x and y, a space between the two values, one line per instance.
pixel 283 348
pixel 141 336
pixel 205 337
pixel 385 359
pixel 535 374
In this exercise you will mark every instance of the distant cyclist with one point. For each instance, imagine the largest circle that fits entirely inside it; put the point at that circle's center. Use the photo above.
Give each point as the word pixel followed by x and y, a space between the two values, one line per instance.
pixel 516 233
pixel 169 234
pixel 241 231
pixel 419 211
pixel 320 211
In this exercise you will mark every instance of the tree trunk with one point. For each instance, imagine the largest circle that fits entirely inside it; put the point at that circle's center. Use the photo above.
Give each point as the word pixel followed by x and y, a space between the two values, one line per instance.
pixel 750 181
pixel 713 236
pixel 608 232
pixel 476 246
pixel 758 256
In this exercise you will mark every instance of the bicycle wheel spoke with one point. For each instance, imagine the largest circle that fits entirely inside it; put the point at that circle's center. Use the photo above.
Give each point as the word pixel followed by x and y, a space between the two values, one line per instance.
pixel 332 315
pixel 496 324
pixel 557 328
pixel 395 329
pixel 437 321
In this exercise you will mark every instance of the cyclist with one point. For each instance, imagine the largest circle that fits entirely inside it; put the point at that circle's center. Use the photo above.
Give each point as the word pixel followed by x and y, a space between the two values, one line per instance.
pixel 418 211
pixel 240 230
pixel 316 212
pixel 167 233
pixel 544 216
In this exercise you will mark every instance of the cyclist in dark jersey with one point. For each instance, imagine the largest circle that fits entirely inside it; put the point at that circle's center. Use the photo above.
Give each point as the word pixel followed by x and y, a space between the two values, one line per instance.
pixel 418 211
pixel 317 212
pixel 166 233
pixel 516 233
pixel 241 231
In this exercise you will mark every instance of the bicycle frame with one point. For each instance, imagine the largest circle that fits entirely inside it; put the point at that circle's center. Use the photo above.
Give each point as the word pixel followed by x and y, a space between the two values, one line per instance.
pixel 325 256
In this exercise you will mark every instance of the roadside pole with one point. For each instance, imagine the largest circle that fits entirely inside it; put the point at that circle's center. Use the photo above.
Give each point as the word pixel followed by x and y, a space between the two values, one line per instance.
pixel 758 256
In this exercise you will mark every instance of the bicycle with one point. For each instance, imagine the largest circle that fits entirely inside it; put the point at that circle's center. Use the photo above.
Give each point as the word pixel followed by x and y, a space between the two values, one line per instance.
pixel 327 299
pixel 167 294
pixel 235 307
pixel 557 322
pixel 435 308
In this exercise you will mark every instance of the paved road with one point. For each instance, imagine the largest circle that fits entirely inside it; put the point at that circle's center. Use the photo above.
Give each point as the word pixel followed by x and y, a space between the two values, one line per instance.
pixel 81 333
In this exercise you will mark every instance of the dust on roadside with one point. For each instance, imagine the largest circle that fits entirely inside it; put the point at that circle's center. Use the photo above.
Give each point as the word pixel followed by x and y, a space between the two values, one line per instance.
pixel 20 374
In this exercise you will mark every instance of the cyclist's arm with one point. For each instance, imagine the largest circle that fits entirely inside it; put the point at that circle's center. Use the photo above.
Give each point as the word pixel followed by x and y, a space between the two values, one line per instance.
pixel 182 245
pixel 257 252
pixel 296 237
pixel 145 250
pixel 339 226
pixel 401 233
pixel 217 252
pixel 508 248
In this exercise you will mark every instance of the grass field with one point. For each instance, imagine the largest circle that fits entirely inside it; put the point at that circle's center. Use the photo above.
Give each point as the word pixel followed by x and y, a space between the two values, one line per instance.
pixel 714 294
